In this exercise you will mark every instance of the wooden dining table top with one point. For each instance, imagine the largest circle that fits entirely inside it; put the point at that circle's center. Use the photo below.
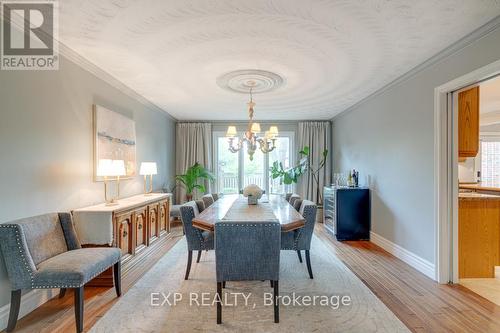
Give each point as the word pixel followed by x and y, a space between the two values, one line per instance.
pixel 288 217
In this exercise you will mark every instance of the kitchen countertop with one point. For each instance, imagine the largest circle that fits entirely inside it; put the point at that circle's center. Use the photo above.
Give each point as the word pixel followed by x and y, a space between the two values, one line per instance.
pixel 482 186
pixel 477 196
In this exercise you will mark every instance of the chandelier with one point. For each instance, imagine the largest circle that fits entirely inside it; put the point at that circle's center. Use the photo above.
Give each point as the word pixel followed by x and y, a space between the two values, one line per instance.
pixel 267 143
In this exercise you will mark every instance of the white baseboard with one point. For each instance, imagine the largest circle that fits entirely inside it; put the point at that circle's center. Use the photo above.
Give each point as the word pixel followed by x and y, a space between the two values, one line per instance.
pixel 420 264
pixel 29 302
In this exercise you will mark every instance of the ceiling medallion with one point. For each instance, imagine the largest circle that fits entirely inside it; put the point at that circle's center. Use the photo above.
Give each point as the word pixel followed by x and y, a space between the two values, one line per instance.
pixel 241 81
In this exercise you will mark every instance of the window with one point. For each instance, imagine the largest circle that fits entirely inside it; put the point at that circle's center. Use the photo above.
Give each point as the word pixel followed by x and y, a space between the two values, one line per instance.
pixel 235 170
pixel 490 160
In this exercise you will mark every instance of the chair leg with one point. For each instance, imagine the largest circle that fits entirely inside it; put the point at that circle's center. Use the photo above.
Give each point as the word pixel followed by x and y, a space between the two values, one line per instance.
pixel 15 303
pixel 300 256
pixel 117 274
pixel 272 285
pixel 308 261
pixel 79 309
pixel 199 256
pixel 276 303
pixel 188 268
pixel 219 302
pixel 62 292
pixel 223 284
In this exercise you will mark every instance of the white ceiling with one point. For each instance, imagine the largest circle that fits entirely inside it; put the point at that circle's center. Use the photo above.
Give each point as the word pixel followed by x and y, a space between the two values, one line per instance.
pixel 331 54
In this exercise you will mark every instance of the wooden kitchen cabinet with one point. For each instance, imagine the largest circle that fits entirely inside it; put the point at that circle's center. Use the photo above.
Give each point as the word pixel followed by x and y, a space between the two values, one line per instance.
pixel 468 122
pixel 478 236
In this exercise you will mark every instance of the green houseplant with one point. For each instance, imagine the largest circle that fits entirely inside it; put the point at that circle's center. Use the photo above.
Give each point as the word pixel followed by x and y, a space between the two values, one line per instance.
pixel 305 165
pixel 193 175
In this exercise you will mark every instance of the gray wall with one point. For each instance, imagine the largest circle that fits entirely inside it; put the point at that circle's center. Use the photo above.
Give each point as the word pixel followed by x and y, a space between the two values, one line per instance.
pixel 390 137
pixel 46 143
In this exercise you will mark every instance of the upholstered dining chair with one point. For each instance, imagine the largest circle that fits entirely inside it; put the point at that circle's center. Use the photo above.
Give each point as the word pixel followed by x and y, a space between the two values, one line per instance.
pixel 215 196
pixel 43 252
pixel 197 240
pixel 208 200
pixel 300 239
pixel 287 196
pixel 297 203
pixel 246 251
pixel 293 197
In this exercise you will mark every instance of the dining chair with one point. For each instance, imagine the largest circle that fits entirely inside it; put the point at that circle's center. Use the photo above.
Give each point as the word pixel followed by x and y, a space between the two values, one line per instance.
pixel 208 200
pixel 297 203
pixel 247 251
pixel 215 196
pixel 300 239
pixel 287 196
pixel 197 240
pixel 293 197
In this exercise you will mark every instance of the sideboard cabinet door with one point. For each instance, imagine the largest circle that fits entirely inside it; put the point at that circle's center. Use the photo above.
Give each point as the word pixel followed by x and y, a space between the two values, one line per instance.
pixel 164 217
pixel 153 222
pixel 140 216
pixel 124 234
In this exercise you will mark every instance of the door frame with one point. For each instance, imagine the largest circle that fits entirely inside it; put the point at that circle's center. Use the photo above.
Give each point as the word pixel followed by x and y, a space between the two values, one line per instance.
pixel 446 170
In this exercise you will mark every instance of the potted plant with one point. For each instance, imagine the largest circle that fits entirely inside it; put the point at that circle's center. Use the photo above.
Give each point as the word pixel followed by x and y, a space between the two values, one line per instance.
pixel 305 165
pixel 190 179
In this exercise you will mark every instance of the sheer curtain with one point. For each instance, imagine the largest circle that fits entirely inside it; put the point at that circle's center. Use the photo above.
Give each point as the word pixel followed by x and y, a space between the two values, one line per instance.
pixel 315 135
pixel 193 144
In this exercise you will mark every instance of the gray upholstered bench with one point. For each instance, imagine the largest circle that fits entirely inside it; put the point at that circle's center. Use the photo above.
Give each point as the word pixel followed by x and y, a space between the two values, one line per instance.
pixel 175 211
pixel 43 252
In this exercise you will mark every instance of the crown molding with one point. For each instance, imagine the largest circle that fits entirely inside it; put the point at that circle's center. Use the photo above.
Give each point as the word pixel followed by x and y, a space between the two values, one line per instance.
pixel 447 52
pixel 90 67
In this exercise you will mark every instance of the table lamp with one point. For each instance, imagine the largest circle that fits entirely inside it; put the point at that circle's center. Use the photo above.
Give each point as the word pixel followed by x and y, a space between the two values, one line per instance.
pixel 111 168
pixel 148 169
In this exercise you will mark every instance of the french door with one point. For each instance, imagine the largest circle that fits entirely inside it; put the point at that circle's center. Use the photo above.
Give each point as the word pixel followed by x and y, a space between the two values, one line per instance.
pixel 234 171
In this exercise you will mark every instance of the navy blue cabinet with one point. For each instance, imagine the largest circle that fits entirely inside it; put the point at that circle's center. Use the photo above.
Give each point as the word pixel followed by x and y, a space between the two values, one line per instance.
pixel 346 212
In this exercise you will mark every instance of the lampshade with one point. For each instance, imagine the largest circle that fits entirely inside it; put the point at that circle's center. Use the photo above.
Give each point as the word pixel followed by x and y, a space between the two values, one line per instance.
pixel 231 131
pixel 273 131
pixel 118 168
pixel 148 168
pixel 104 168
pixel 255 128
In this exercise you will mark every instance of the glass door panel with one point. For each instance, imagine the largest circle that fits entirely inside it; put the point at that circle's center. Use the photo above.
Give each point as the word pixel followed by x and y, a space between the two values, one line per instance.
pixel 227 168
pixel 254 171
pixel 281 154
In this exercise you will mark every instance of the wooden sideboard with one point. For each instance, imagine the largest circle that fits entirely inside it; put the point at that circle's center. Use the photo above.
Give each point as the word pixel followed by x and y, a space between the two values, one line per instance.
pixel 134 225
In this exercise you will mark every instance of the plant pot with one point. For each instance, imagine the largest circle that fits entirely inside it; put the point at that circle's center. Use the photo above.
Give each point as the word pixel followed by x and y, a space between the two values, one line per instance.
pixel 319 214
pixel 252 200
pixel 189 197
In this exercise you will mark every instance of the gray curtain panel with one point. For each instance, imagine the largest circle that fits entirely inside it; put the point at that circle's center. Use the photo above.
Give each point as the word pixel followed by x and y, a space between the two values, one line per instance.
pixel 316 135
pixel 193 144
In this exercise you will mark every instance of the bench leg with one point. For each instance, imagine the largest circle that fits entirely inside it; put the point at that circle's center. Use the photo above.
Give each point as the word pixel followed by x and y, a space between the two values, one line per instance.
pixel 79 309
pixel 15 303
pixel 117 274
pixel 62 292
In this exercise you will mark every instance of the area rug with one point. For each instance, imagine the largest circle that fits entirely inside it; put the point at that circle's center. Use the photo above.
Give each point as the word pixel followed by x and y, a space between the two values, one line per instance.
pixel 162 301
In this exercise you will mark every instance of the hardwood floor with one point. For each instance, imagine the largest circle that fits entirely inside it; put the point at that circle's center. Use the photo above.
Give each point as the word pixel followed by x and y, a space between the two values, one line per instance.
pixel 420 303
pixel 57 315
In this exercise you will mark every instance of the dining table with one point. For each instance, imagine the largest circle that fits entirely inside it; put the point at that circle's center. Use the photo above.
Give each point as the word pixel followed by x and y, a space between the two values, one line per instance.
pixel 235 207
